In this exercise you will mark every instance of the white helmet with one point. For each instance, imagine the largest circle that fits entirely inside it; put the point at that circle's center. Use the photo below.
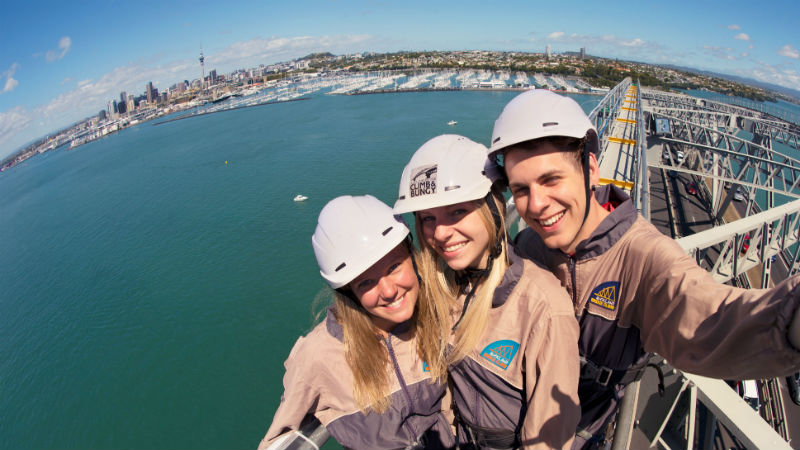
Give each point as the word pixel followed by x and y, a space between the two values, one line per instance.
pixel 540 113
pixel 352 234
pixel 446 170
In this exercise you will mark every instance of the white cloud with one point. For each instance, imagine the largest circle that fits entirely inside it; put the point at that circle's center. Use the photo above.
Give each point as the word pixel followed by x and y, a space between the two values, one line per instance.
pixel 265 51
pixel 89 95
pixel 742 37
pixel 775 74
pixel 789 52
pixel 734 27
pixel 725 53
pixel 634 43
pixel 10 83
pixel 64 44
pixel 12 122
pixel 609 44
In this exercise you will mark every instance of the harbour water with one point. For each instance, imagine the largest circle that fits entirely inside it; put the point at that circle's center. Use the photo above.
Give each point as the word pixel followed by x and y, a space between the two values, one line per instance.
pixel 153 282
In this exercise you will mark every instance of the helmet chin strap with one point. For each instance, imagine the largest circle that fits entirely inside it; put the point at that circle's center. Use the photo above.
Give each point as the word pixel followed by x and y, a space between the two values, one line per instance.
pixel 586 181
pixel 410 245
pixel 586 188
pixel 475 275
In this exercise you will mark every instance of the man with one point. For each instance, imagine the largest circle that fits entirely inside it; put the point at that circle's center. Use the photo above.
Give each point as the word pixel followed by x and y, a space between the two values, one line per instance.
pixel 634 290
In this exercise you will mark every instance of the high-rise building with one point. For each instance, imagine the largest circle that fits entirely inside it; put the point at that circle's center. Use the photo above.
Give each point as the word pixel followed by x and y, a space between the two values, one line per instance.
pixel 583 52
pixel 123 97
pixel 213 76
pixel 151 93
pixel 547 51
pixel 131 102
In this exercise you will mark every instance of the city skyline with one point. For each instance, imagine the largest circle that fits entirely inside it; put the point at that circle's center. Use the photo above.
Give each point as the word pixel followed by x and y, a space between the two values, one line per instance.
pixel 68 61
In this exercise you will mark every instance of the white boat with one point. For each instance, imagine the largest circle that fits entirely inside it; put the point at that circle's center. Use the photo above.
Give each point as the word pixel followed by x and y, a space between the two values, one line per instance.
pixel 452 122
pixel 300 198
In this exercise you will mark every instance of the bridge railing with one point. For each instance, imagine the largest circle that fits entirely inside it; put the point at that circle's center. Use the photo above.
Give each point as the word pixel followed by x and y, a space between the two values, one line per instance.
pixel 730 250
pixel 603 115
pixel 747 242
pixel 690 411
pixel 641 192
pixel 311 436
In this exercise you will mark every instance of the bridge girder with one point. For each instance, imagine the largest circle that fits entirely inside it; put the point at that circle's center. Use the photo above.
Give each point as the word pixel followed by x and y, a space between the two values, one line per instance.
pixel 742 161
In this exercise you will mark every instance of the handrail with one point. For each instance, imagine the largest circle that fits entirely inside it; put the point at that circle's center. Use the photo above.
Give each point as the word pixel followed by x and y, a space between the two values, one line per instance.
pixel 311 436
pixel 643 178
pixel 607 106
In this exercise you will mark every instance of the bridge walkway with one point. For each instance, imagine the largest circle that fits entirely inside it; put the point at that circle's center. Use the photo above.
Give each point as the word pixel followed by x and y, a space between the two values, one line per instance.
pixel 618 164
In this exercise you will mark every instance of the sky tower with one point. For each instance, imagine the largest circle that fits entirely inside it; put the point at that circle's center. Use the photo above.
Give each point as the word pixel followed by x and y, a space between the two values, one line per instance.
pixel 203 70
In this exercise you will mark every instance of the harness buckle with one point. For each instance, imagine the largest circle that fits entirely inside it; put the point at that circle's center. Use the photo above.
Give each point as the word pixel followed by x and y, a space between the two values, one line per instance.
pixel 597 373
pixel 604 376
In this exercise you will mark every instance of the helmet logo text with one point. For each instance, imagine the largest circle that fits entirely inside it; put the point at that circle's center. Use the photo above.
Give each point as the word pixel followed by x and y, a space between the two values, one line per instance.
pixel 423 180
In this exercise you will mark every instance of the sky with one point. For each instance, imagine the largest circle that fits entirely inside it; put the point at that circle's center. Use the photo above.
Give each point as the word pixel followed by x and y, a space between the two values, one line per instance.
pixel 61 62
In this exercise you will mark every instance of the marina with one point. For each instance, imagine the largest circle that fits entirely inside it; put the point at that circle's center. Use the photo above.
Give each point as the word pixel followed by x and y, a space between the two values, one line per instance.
pixel 305 87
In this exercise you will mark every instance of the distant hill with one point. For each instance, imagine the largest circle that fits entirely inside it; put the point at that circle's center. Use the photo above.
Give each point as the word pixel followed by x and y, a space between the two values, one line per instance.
pixel 794 93
pixel 325 55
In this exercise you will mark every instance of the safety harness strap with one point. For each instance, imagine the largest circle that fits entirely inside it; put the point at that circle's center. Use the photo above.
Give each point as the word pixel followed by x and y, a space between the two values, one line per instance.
pixel 606 376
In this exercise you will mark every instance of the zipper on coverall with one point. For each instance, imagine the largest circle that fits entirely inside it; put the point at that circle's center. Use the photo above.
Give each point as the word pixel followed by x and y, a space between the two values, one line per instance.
pixel 572 264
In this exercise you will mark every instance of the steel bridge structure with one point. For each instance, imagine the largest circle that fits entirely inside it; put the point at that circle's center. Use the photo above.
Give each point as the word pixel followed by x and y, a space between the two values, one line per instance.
pixel 730 153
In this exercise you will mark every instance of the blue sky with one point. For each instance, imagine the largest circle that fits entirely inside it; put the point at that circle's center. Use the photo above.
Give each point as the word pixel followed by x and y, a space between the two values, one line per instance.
pixel 62 61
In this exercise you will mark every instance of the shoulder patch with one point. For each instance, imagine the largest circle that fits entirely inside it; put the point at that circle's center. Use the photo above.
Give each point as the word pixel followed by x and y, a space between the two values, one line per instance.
pixel 425 367
pixel 605 295
pixel 500 353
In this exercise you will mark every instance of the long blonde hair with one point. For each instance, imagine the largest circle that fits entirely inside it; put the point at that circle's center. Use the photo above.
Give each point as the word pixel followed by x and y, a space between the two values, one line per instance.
pixel 442 280
pixel 367 356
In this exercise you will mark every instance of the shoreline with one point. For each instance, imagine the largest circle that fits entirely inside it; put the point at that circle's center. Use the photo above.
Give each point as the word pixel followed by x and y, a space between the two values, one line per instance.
pixel 451 89
pixel 188 116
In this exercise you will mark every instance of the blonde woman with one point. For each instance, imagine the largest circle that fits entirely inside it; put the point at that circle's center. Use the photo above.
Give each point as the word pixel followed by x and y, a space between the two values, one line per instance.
pixel 374 371
pixel 513 357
